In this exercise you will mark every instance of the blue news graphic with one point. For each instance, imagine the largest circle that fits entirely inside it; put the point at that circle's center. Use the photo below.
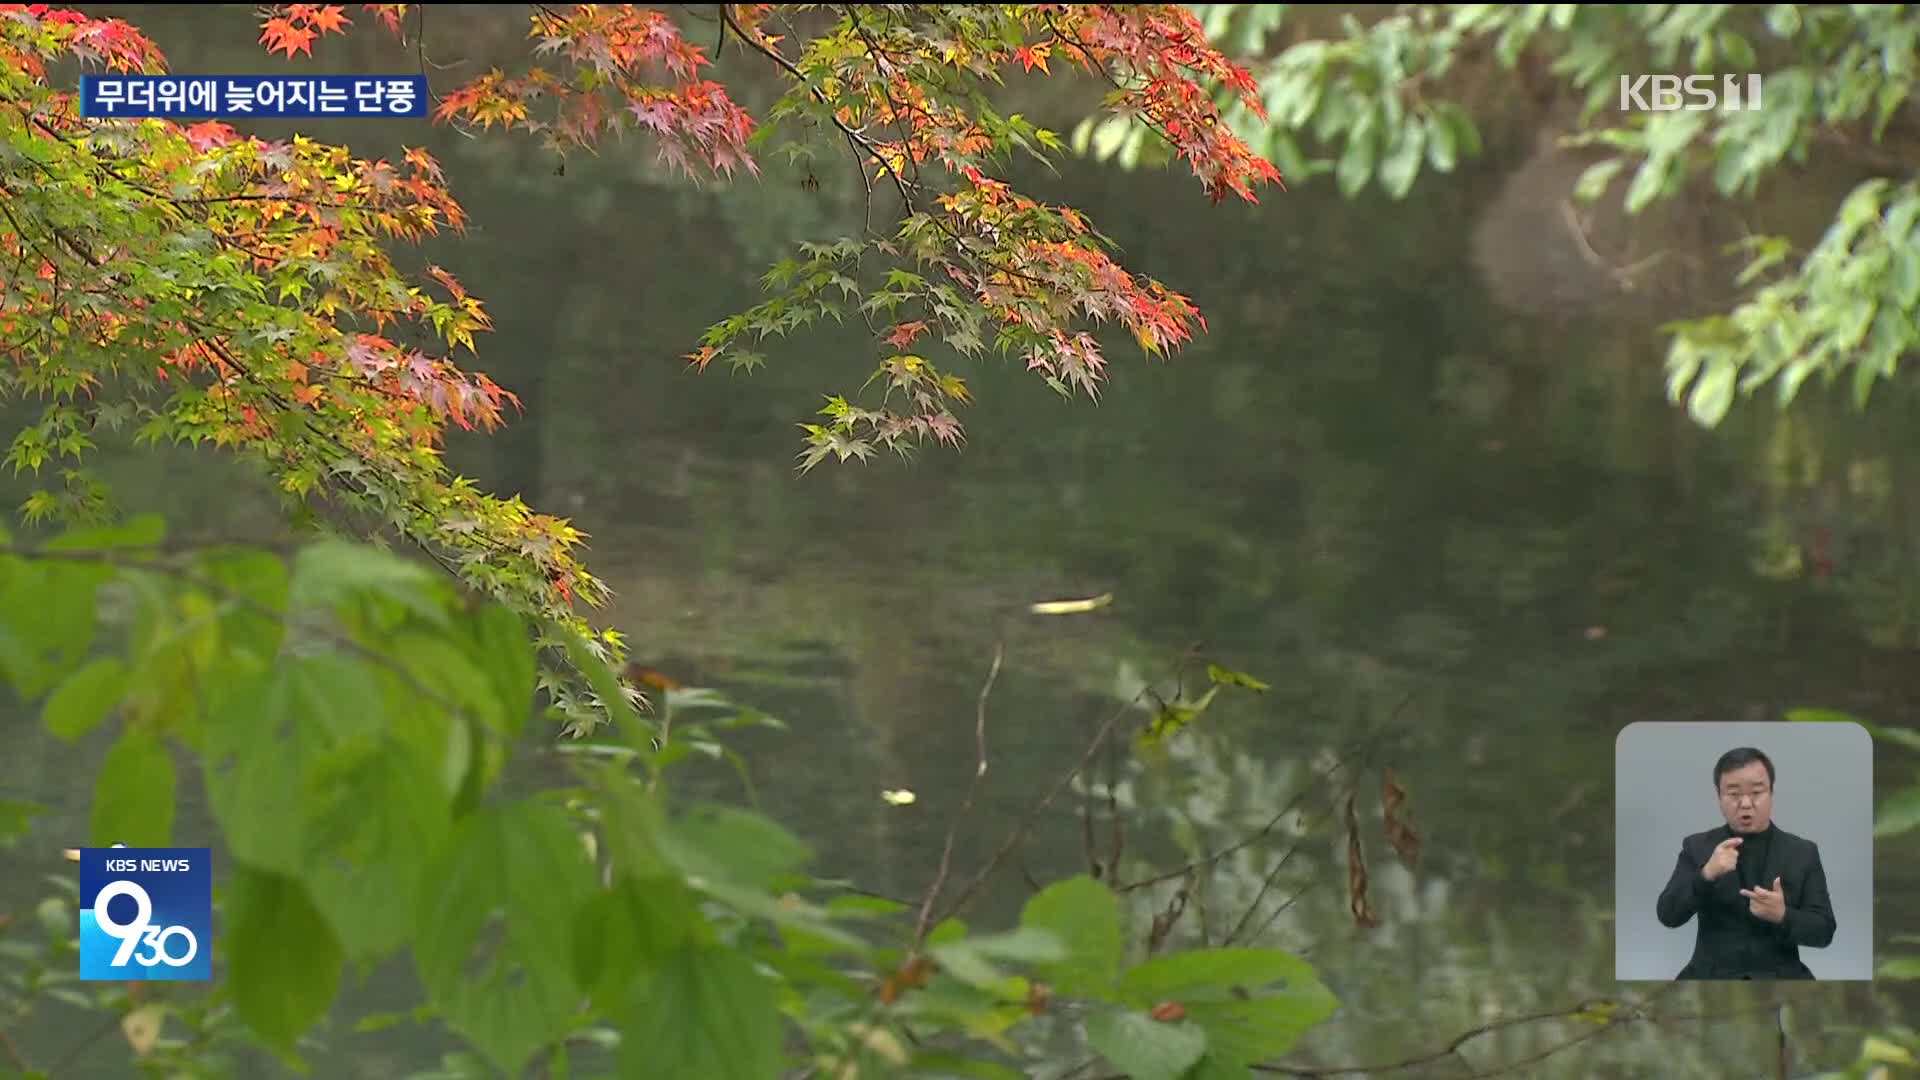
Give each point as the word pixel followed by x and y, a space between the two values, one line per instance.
pixel 229 97
pixel 146 913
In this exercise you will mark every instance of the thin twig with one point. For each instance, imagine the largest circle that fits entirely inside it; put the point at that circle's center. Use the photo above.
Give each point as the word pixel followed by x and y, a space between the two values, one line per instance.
pixel 853 136
pixel 1265 886
pixel 1032 816
pixel 1273 822
pixel 13 1052
pixel 925 919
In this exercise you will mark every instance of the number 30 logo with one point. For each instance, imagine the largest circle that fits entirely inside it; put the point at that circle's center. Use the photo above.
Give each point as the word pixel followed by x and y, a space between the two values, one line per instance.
pixel 140 931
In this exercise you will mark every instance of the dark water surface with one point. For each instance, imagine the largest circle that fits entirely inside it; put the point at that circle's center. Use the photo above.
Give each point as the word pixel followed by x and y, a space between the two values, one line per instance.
pixel 1386 480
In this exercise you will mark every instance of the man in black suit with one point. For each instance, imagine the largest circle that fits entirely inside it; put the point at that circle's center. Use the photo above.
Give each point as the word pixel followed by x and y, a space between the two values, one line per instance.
pixel 1758 890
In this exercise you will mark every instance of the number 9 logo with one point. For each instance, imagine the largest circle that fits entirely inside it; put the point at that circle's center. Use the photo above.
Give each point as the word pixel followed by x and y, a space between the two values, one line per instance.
pixel 141 930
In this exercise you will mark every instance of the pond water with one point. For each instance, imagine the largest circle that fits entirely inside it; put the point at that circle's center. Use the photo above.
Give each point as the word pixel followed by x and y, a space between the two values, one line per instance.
pixel 1385 482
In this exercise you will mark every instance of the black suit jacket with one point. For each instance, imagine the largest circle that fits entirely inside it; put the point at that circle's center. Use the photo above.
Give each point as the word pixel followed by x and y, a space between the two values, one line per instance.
pixel 1730 942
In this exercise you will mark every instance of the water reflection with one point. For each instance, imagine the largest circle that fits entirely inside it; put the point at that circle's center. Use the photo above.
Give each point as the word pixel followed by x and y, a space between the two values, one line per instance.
pixel 1374 478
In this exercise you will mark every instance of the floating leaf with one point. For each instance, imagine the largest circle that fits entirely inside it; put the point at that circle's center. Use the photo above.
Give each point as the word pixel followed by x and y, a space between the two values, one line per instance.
pixel 1072 607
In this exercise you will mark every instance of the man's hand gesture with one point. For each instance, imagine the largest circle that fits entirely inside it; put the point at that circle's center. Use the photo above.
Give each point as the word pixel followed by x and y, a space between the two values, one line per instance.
pixel 1723 859
pixel 1768 904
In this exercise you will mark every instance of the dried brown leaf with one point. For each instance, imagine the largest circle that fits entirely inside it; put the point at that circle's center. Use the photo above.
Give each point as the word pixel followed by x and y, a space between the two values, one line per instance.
pixel 1357 901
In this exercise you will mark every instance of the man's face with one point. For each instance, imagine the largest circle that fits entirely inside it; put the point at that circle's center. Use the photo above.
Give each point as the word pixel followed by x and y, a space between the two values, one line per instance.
pixel 1746 798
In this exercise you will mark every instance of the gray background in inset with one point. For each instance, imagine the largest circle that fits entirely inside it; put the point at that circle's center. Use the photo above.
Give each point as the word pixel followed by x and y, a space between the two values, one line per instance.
pixel 1663 792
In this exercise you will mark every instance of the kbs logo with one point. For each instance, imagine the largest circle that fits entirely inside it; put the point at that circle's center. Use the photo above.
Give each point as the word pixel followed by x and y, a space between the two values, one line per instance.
pixel 1695 93
pixel 146 913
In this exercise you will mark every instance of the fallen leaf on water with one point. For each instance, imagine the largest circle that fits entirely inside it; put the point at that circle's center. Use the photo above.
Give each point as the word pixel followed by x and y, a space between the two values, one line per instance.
pixel 1595 633
pixel 72 854
pixel 898 796
pixel 1072 607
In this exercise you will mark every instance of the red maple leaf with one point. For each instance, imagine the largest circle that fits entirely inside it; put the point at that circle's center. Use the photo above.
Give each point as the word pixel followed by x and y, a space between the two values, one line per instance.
pixel 208 134
pixel 1035 57
pixel 902 335
pixel 327 19
pixel 389 14
pixel 281 35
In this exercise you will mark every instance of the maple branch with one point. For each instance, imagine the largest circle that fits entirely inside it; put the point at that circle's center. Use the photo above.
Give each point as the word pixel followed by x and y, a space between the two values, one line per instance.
pixel 852 15
pixel 853 136
pixel 925 919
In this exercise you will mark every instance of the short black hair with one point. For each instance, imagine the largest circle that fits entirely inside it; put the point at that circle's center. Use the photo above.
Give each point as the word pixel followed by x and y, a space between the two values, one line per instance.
pixel 1738 757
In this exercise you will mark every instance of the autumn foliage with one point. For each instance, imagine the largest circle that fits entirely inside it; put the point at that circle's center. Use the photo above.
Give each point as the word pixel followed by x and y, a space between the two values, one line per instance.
pixel 199 284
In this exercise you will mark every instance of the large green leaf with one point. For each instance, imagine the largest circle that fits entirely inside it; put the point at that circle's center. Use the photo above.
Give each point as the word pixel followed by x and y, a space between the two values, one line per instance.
pixel 634 928
pixel 972 960
pixel 46 621
pixel 377 816
pixel 176 639
pixel 731 845
pixel 1085 916
pixel 332 571
pixel 632 823
pixel 283 963
pixel 703 1014
pixel 502 647
pixel 260 581
pixel 133 794
pixel 273 734
pixel 493 939
pixel 453 677
pixel 1145 1048
pixel 84 700
pixel 1254 1003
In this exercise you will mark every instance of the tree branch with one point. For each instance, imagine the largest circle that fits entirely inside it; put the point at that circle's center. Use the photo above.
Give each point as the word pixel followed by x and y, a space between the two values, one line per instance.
pixel 925 919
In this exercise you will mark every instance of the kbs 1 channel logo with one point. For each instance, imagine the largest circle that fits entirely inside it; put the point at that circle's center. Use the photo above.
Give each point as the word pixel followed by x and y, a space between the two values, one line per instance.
pixel 146 914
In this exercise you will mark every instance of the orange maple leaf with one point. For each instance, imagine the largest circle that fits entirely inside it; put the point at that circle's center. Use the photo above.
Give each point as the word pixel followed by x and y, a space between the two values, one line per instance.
pixel 329 19
pixel 902 335
pixel 1035 57
pixel 281 35
pixel 209 133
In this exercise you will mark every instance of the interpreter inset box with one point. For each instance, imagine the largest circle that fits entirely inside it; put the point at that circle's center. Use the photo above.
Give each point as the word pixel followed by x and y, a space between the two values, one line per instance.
pixel 1743 851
